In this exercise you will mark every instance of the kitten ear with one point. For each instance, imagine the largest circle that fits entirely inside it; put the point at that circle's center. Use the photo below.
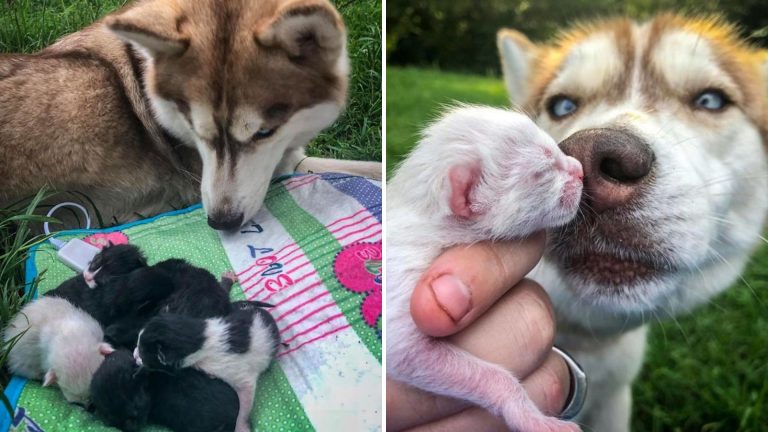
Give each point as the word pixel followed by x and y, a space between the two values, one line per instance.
pixel 109 243
pixel 50 378
pixel 462 180
pixel 105 349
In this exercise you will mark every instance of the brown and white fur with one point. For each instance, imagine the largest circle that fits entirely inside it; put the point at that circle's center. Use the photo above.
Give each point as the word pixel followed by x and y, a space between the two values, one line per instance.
pixel 668 118
pixel 58 343
pixel 165 102
pixel 498 177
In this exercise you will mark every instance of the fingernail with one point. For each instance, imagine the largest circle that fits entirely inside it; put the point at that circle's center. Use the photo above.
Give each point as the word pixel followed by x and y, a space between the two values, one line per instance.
pixel 452 295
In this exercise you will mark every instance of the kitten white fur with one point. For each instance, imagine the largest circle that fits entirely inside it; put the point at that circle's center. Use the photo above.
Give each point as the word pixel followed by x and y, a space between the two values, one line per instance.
pixel 523 184
pixel 61 344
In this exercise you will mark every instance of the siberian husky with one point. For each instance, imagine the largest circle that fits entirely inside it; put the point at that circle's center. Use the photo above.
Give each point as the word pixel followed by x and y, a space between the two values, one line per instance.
pixel 167 101
pixel 668 118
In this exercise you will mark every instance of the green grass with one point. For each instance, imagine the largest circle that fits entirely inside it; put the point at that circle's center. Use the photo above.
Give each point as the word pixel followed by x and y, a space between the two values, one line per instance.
pixel 30 25
pixel 357 134
pixel 707 371
pixel 416 96
pixel 16 239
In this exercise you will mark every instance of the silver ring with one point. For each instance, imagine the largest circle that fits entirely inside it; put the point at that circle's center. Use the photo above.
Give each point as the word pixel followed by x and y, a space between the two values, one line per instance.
pixel 578 393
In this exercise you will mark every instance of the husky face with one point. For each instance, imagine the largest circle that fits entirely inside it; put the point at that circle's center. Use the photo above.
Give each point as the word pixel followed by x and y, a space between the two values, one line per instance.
pixel 241 81
pixel 668 119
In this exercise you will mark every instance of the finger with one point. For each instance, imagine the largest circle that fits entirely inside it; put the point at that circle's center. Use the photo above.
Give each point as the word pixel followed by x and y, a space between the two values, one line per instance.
pixel 549 385
pixel 412 409
pixel 466 280
pixel 471 419
pixel 408 406
pixel 516 333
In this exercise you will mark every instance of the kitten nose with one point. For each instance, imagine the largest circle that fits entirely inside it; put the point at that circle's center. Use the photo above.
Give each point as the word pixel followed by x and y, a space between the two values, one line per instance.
pixel 225 221
pixel 616 165
pixel 573 167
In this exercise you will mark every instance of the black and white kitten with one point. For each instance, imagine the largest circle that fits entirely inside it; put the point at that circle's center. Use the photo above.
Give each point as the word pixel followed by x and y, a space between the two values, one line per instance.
pixel 128 397
pixel 236 348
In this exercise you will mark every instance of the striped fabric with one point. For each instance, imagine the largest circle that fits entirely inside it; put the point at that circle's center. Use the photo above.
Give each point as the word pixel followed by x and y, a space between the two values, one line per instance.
pixel 313 251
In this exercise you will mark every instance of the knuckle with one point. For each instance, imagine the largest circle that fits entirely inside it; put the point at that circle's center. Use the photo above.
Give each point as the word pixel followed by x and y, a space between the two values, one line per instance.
pixel 538 314
pixel 554 391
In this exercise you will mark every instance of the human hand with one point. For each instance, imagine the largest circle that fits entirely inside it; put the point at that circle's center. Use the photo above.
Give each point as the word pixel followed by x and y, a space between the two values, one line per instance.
pixel 476 297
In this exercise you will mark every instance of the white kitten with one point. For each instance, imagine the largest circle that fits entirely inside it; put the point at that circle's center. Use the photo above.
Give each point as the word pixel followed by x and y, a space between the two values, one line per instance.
pixel 478 173
pixel 60 344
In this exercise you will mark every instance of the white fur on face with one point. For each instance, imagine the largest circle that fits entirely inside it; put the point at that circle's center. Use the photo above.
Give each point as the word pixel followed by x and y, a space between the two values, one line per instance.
pixel 687 61
pixel 245 122
pixel 245 186
pixel 588 67
pixel 203 123
pixel 168 115
pixel 520 187
pixel 519 193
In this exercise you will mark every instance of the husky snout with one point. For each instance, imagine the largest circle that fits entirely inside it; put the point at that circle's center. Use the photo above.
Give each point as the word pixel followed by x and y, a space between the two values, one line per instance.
pixel 616 163
pixel 233 197
pixel 225 221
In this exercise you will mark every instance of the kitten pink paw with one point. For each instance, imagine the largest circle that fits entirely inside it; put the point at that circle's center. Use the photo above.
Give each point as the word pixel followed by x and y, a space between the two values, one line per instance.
pixel 540 423
pixel 229 275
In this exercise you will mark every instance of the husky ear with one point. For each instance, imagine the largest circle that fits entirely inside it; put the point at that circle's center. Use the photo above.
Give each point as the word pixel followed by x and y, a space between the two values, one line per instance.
pixel 517 53
pixel 154 26
pixel 308 30
pixel 764 67
pixel 50 378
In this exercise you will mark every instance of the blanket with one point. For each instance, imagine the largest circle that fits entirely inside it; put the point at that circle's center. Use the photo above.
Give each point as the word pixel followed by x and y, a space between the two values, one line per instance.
pixel 315 252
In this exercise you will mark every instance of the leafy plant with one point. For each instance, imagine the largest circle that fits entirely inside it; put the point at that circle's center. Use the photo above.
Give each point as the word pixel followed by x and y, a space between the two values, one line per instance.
pixel 17 238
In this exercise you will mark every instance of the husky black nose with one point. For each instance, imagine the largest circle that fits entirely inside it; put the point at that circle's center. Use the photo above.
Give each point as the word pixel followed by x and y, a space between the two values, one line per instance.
pixel 616 165
pixel 225 221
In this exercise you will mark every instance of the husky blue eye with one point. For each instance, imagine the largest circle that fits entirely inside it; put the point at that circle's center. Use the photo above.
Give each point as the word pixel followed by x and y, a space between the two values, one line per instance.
pixel 711 100
pixel 561 106
pixel 264 133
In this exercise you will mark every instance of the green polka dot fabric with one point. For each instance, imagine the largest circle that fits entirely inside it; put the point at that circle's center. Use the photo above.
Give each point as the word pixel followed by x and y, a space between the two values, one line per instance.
pixel 313 251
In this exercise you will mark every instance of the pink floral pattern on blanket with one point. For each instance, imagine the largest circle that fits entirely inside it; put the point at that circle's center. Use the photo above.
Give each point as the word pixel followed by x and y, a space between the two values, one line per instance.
pixel 358 269
pixel 102 239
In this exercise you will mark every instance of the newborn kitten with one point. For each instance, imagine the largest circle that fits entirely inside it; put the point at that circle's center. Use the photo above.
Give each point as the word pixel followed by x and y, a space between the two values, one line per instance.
pixel 59 343
pixel 477 174
pixel 109 265
pixel 120 393
pixel 190 291
pixel 127 396
pixel 236 348
pixel 197 293
pixel 170 286
pixel 113 261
